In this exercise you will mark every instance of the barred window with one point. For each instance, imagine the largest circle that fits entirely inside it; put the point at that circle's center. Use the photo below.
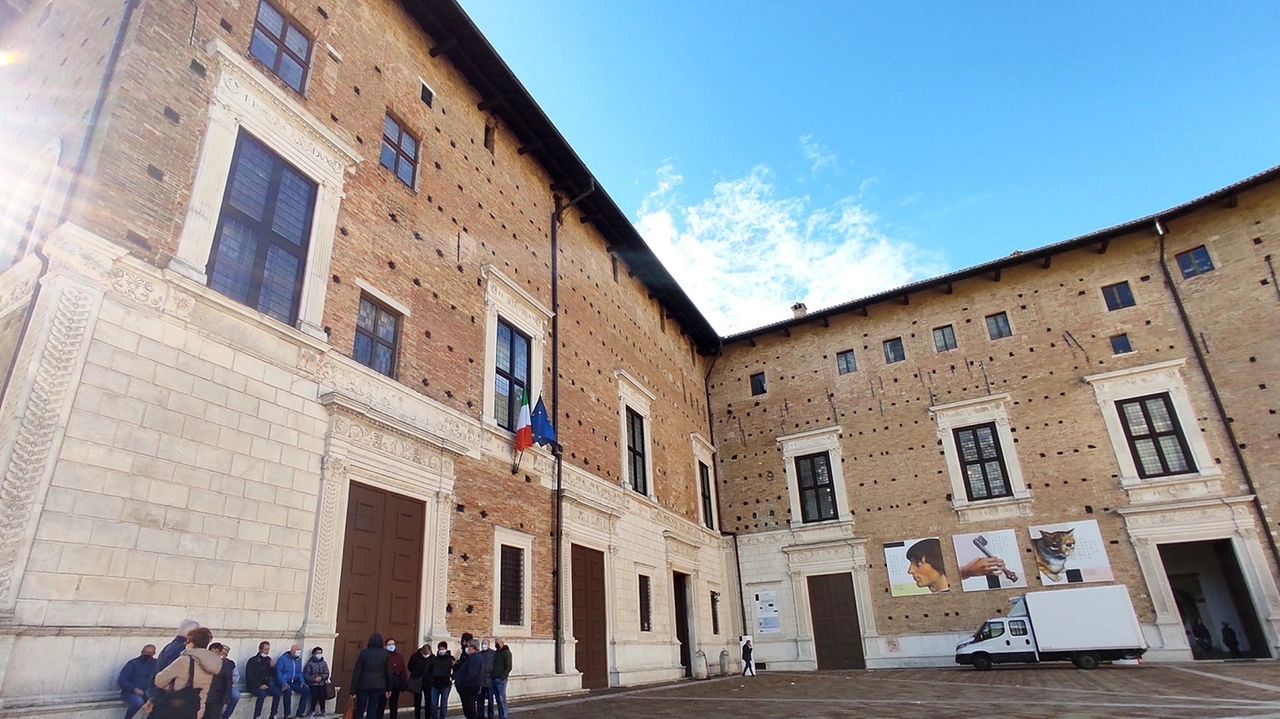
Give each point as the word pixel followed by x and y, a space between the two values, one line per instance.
pixel 715 612
pixel 511 375
pixel 376 332
pixel 646 615
pixel 817 491
pixel 944 338
pixel 982 462
pixel 280 45
pixel 636 470
pixel 1155 438
pixel 260 248
pixel 998 326
pixel 511 589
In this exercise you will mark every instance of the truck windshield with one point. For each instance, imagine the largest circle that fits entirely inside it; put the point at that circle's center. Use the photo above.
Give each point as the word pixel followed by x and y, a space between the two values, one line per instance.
pixel 990 630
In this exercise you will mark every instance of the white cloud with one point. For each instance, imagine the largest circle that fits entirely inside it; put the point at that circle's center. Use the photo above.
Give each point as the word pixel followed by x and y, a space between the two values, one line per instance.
pixel 816 153
pixel 744 254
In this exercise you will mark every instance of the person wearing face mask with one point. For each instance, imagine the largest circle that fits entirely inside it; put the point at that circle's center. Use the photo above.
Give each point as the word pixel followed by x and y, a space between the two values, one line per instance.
pixel 484 700
pixel 498 677
pixel 316 672
pixel 438 673
pixel 289 677
pixel 137 676
pixel 233 692
pixel 260 680
pixel 417 685
pixel 468 677
pixel 219 688
pixel 399 681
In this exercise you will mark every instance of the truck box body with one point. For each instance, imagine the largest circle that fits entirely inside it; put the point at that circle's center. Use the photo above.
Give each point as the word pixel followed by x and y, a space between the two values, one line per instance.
pixel 1092 618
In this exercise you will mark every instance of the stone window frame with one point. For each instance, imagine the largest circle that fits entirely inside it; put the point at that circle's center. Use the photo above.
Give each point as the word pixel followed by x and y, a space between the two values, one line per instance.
pixel 244 98
pixel 704 455
pixel 1115 293
pixel 901 355
pixel 994 329
pixel 846 362
pixel 988 409
pixel 815 441
pixel 1157 378
pixel 644 599
pixel 639 399
pixel 505 299
pixel 1193 266
pixel 948 336
pixel 523 541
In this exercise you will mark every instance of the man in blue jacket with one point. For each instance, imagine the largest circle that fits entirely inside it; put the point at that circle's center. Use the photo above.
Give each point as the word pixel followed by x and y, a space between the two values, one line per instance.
pixel 289 674
pixel 138 675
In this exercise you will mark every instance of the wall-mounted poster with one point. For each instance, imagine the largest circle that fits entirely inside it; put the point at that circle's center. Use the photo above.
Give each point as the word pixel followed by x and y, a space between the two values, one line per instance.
pixel 916 566
pixel 989 560
pixel 767 613
pixel 1070 553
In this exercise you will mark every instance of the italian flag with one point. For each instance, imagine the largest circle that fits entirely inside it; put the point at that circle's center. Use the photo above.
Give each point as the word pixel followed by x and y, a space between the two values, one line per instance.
pixel 524 430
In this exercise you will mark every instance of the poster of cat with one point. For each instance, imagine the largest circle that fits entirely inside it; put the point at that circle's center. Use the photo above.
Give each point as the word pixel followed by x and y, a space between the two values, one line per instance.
pixel 989 560
pixel 1070 553
pixel 916 566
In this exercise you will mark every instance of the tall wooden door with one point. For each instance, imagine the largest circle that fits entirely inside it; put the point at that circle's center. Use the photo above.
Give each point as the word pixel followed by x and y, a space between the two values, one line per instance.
pixel 381 576
pixel 590 627
pixel 680 584
pixel 837 638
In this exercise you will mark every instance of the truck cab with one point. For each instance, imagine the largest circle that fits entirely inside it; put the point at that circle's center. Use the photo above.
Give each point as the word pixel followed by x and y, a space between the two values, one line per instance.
pixel 999 640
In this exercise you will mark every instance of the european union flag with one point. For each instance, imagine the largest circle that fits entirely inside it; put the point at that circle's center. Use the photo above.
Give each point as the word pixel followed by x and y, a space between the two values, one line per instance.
pixel 544 433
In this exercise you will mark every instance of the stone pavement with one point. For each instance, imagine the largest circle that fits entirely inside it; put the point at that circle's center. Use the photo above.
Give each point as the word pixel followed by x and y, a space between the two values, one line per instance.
pixel 1214 690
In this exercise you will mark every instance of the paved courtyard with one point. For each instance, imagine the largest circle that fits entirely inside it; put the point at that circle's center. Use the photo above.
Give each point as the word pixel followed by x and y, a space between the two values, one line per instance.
pixel 1200 691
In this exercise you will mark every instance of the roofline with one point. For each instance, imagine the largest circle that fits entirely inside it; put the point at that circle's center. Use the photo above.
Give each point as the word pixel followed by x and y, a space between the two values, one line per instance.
pixel 1099 237
pixel 502 93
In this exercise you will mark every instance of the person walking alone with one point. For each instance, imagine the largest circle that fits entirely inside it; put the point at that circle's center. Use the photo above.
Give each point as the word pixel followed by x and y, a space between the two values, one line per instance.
pixel 748 664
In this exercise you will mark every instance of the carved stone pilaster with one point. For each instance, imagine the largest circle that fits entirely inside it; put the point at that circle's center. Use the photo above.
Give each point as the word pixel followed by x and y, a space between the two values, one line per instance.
pixel 27 462
pixel 329 531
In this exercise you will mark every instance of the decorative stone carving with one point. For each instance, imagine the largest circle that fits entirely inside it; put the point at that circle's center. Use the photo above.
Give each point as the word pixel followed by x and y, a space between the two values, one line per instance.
pixel 37 428
pixel 142 290
pixel 390 442
pixel 327 552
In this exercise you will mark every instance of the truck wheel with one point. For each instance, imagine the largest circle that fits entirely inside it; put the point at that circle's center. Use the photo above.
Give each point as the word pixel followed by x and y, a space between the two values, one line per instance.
pixel 1086 660
pixel 981 662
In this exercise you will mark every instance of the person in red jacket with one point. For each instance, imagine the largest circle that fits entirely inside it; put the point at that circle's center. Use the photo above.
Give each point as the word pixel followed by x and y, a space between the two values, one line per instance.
pixel 399 680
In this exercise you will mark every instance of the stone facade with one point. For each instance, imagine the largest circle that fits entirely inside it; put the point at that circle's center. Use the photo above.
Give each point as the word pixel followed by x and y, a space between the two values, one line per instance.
pixel 168 451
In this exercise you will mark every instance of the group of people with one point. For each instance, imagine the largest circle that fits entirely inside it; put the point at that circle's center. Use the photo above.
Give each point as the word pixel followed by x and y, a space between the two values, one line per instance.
pixel 381 674
pixel 479 673
pixel 1204 640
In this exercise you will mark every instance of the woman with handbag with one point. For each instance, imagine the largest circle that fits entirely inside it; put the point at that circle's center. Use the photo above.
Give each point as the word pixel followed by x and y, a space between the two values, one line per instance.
pixel 316 674
pixel 184 684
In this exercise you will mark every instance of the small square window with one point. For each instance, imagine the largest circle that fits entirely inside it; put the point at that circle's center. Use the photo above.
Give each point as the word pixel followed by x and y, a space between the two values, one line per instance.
pixel 376 330
pixel 893 351
pixel 998 326
pixel 1120 344
pixel 280 45
pixel 399 150
pixel 1118 296
pixel 845 362
pixel 944 338
pixel 757 384
pixel 1194 262
pixel 427 95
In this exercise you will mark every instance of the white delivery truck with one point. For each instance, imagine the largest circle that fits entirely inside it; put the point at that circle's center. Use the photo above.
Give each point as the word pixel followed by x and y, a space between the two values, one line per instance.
pixel 1085 625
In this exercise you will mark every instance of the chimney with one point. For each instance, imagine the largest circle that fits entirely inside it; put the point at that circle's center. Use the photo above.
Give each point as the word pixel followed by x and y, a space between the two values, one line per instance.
pixel 799 310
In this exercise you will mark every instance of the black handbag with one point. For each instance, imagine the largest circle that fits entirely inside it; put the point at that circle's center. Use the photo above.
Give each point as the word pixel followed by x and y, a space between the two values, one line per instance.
pixel 181 703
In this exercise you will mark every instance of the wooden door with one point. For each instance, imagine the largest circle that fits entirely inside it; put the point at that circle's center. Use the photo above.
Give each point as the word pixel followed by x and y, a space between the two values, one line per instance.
pixel 381 576
pixel 590 627
pixel 837 638
pixel 680 584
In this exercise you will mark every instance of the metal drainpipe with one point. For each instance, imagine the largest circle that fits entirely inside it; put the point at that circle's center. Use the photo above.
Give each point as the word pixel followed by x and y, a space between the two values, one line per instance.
pixel 90 133
pixel 1161 230
pixel 556 213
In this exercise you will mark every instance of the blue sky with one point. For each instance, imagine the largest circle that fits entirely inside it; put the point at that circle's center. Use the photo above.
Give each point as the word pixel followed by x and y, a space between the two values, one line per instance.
pixel 822 151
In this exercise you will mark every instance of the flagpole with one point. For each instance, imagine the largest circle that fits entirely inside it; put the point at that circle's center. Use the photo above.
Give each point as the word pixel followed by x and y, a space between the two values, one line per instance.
pixel 557 214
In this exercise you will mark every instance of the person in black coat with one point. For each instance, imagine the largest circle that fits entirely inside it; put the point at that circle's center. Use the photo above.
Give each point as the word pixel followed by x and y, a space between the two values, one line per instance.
pixel 468 677
pixel 371 678
pixel 260 680
pixel 219 688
